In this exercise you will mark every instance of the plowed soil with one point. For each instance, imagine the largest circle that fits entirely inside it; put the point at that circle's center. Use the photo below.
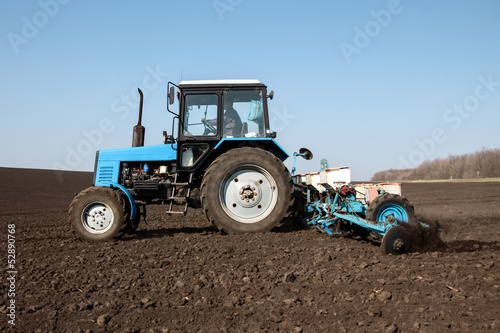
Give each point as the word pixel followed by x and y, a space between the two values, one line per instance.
pixel 177 274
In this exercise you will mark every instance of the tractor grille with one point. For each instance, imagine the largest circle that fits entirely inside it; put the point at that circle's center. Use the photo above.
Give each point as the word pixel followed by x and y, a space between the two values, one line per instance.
pixel 105 174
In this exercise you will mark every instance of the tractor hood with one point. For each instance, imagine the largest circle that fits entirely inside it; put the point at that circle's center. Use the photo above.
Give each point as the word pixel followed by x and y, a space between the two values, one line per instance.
pixel 107 165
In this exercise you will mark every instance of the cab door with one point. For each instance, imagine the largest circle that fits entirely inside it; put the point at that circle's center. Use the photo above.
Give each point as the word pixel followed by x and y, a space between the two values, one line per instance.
pixel 199 127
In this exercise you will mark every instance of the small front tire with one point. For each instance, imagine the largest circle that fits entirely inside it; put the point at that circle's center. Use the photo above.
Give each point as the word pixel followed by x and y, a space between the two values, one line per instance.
pixel 98 214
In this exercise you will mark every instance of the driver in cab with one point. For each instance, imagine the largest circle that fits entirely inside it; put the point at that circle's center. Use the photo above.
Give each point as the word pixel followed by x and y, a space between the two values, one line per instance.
pixel 232 121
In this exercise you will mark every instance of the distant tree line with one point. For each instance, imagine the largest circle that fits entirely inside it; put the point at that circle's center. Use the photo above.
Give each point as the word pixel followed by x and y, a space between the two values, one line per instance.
pixel 485 163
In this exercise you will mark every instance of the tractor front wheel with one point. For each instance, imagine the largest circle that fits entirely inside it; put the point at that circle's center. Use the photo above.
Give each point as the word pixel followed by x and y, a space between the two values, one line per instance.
pixel 247 190
pixel 98 214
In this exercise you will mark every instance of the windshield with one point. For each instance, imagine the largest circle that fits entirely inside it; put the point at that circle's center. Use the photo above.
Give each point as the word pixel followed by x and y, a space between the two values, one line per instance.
pixel 242 109
pixel 247 105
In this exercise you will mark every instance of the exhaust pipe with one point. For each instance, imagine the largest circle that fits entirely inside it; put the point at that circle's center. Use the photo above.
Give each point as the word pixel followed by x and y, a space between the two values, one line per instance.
pixel 139 130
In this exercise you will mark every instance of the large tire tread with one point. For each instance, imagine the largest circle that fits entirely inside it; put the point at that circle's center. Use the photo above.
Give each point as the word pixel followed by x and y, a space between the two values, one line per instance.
pixel 257 153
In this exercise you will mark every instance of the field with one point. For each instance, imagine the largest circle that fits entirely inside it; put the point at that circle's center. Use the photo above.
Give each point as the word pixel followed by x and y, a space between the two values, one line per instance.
pixel 177 274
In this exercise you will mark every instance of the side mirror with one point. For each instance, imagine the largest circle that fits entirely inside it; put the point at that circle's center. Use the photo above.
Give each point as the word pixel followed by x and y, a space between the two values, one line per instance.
pixel 271 95
pixel 305 153
pixel 171 96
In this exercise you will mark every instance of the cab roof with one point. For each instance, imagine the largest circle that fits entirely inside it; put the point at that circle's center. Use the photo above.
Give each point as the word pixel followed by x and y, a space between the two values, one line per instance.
pixel 219 83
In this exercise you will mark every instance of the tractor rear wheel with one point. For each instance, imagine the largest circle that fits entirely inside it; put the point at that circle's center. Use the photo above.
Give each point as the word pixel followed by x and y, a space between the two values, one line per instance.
pixel 98 214
pixel 247 190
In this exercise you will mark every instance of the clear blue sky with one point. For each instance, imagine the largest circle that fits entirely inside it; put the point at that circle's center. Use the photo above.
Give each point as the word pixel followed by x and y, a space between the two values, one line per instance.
pixel 369 84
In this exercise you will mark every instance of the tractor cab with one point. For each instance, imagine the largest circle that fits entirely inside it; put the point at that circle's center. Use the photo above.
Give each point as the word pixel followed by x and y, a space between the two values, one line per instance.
pixel 215 111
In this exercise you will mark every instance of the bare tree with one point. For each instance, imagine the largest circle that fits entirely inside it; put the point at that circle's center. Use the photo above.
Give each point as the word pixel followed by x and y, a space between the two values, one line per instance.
pixel 484 163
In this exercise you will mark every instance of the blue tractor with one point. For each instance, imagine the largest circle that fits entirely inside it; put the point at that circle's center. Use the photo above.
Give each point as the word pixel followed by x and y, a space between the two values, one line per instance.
pixel 224 158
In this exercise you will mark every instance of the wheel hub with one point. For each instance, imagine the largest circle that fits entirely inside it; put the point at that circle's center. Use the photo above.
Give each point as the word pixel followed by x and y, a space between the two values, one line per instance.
pixel 97 217
pixel 390 218
pixel 249 195
pixel 398 244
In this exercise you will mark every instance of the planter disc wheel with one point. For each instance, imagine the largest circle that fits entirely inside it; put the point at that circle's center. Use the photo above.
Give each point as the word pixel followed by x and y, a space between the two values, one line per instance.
pixel 397 240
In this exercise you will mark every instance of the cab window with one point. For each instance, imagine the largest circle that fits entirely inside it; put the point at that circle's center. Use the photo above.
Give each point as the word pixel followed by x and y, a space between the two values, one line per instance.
pixel 200 116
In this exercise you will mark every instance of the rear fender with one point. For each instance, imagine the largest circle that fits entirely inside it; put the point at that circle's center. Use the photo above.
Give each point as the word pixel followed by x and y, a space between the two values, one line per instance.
pixel 264 143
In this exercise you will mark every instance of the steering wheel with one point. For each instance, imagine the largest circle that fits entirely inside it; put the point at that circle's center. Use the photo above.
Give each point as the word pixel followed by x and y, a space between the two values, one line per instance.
pixel 208 128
